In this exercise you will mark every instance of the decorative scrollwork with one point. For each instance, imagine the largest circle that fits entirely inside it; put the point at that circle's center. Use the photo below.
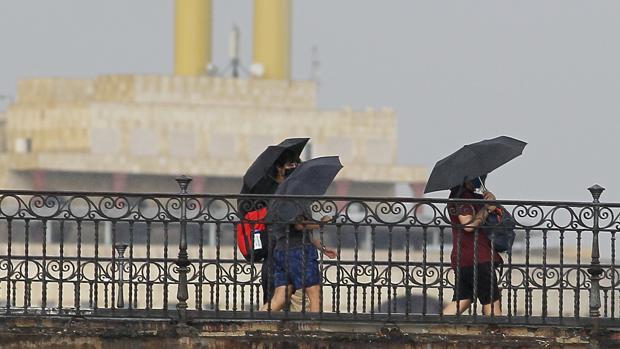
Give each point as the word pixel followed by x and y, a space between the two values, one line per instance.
pixel 65 239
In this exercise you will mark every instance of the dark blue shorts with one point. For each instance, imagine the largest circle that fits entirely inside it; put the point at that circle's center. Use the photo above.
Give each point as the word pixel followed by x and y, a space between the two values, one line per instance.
pixel 293 268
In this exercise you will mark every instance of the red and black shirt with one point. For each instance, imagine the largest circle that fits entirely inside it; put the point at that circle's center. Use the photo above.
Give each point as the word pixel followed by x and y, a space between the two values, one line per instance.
pixel 468 240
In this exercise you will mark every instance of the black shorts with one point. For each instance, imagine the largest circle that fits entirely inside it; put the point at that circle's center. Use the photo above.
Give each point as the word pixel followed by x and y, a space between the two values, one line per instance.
pixel 487 290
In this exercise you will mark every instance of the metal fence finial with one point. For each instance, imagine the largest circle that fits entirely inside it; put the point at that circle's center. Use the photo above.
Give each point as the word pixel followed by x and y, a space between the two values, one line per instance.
pixel 596 191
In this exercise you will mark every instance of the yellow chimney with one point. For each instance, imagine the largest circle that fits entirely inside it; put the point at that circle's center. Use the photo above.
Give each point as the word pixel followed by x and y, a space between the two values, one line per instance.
pixel 192 37
pixel 272 38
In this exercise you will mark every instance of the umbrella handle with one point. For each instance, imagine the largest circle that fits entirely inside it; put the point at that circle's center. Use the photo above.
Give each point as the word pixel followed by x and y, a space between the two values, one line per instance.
pixel 483 189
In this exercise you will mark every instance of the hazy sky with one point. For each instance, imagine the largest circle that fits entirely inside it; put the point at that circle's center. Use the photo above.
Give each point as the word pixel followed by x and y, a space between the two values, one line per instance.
pixel 547 72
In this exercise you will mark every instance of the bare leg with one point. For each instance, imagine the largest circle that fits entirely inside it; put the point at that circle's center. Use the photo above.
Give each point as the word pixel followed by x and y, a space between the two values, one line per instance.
pixel 452 307
pixel 314 296
pixel 496 306
pixel 297 301
pixel 281 296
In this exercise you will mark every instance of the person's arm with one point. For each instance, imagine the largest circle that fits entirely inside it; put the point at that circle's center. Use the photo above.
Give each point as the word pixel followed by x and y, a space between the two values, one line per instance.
pixel 328 251
pixel 311 225
pixel 472 222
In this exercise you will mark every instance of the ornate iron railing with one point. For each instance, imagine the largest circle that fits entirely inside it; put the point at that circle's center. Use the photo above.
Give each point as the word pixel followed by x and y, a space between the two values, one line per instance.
pixel 174 256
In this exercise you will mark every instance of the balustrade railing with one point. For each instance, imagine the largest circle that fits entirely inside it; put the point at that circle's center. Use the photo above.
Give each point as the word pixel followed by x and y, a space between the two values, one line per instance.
pixel 174 256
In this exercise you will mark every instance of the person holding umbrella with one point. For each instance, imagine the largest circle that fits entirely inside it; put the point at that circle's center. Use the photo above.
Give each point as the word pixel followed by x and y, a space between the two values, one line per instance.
pixel 473 258
pixel 296 251
pixel 269 169
pixel 264 176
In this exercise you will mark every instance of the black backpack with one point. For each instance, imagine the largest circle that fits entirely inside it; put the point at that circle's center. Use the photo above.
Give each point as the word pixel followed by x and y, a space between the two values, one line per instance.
pixel 500 229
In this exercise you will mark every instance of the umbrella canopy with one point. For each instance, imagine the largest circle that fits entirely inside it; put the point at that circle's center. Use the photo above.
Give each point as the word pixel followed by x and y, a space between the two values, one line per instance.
pixel 312 177
pixel 258 178
pixel 473 160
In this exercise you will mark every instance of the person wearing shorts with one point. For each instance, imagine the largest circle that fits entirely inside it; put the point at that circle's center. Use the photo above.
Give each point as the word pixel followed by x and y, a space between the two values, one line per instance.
pixel 283 167
pixel 473 259
pixel 481 286
pixel 296 265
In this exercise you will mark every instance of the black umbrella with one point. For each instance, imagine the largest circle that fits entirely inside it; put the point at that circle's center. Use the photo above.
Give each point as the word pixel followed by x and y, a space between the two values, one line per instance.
pixel 312 177
pixel 473 160
pixel 258 178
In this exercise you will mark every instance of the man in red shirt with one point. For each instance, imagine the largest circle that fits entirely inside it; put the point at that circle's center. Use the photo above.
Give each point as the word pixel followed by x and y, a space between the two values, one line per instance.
pixel 473 259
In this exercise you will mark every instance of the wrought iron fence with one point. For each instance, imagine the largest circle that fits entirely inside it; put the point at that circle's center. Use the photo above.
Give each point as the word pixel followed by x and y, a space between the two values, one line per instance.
pixel 174 256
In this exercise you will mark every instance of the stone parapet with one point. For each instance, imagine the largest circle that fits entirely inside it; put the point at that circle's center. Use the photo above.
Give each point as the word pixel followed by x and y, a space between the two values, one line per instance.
pixel 162 89
pixel 203 90
pixel 48 91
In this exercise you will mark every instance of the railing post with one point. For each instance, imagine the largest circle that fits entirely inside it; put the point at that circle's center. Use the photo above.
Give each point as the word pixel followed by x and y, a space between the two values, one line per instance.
pixel 182 261
pixel 120 251
pixel 595 269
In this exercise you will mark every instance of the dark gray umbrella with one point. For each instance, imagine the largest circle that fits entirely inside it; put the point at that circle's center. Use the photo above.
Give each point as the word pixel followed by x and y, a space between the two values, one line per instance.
pixel 258 178
pixel 473 160
pixel 312 177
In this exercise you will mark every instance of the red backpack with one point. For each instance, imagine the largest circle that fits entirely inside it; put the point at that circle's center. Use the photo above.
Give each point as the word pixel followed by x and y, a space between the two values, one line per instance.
pixel 252 238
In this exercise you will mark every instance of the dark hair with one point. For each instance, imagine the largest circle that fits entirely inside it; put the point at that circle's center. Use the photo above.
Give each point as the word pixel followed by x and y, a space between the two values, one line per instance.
pixel 287 156
pixel 456 191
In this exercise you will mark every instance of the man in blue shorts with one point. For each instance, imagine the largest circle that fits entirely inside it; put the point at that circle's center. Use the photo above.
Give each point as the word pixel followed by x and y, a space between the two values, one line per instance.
pixel 296 266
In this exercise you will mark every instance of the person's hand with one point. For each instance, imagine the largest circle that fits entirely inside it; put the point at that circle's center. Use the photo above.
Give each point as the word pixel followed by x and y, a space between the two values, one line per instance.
pixel 491 197
pixel 326 219
pixel 330 252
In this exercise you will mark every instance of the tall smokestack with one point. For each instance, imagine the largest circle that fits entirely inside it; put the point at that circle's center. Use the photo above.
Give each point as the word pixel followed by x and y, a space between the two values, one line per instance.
pixel 272 38
pixel 192 37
